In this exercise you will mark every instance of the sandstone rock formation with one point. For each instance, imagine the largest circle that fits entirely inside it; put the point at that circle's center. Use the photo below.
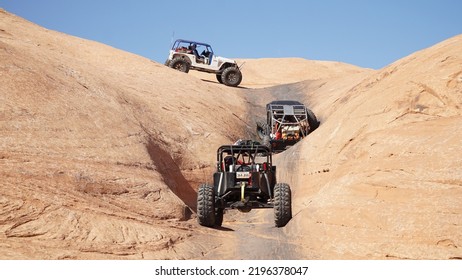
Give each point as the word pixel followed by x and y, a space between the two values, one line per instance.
pixel 101 152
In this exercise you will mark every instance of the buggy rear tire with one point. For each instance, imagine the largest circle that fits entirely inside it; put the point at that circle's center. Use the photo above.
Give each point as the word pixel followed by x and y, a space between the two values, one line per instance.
pixel 206 205
pixel 282 204
pixel 180 64
pixel 231 76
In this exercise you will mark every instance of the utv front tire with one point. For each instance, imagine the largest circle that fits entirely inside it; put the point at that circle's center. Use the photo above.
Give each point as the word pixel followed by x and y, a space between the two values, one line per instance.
pixel 282 204
pixel 231 76
pixel 206 205
pixel 180 64
pixel 219 78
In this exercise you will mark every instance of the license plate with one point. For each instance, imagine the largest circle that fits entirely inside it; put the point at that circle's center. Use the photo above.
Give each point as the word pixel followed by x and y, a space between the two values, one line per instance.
pixel 243 175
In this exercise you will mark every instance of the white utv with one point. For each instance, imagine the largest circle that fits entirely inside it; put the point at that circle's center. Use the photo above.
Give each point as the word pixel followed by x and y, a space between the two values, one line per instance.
pixel 190 55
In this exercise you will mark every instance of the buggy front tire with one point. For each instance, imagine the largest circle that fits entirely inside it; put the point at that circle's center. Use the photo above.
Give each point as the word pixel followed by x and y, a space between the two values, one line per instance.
pixel 262 129
pixel 282 204
pixel 231 76
pixel 312 120
pixel 206 205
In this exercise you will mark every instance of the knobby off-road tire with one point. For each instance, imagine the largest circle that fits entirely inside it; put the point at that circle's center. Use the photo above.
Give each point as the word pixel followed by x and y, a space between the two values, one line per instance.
pixel 180 64
pixel 262 129
pixel 282 204
pixel 206 205
pixel 219 78
pixel 231 76
pixel 312 120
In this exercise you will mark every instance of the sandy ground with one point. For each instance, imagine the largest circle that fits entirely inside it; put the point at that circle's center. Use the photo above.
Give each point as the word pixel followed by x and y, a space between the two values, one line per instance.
pixel 101 153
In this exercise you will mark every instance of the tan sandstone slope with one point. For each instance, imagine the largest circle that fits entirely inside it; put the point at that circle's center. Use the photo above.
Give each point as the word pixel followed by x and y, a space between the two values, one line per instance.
pixel 382 176
pixel 94 140
pixel 101 152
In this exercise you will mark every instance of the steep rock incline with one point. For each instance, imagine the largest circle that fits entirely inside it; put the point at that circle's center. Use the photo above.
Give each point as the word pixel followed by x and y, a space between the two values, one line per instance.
pixel 100 149
pixel 382 177
pixel 101 152
pixel 269 72
pixel 266 72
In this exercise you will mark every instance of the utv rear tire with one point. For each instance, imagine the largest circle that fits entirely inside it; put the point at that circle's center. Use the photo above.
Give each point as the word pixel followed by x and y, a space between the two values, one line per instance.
pixel 206 205
pixel 180 64
pixel 282 204
pixel 231 76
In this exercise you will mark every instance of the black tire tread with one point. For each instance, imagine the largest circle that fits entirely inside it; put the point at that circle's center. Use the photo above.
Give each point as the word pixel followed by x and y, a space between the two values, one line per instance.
pixel 180 61
pixel 219 78
pixel 206 205
pixel 282 204
pixel 229 71
pixel 312 120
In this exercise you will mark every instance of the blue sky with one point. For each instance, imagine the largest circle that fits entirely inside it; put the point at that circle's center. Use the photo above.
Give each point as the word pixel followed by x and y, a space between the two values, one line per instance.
pixel 369 34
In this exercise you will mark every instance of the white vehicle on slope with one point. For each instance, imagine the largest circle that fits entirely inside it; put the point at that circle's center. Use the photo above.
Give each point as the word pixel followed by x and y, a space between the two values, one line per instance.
pixel 190 55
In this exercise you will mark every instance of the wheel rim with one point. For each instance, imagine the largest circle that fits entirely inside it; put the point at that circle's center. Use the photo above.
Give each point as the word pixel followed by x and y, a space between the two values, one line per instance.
pixel 180 67
pixel 232 78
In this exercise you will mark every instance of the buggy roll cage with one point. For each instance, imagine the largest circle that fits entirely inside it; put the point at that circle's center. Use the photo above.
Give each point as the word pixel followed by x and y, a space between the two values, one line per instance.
pixel 246 154
pixel 289 113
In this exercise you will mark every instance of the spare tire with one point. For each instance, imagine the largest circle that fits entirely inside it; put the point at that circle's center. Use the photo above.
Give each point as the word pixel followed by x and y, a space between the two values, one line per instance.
pixel 231 76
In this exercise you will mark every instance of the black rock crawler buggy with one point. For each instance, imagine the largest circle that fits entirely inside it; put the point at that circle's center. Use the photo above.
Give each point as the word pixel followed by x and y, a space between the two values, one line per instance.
pixel 245 179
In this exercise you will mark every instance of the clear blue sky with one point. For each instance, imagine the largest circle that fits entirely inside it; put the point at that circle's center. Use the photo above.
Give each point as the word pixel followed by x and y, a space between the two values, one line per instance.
pixel 369 34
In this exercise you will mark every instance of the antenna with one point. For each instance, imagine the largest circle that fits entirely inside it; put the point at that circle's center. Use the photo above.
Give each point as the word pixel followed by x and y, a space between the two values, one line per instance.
pixel 173 37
